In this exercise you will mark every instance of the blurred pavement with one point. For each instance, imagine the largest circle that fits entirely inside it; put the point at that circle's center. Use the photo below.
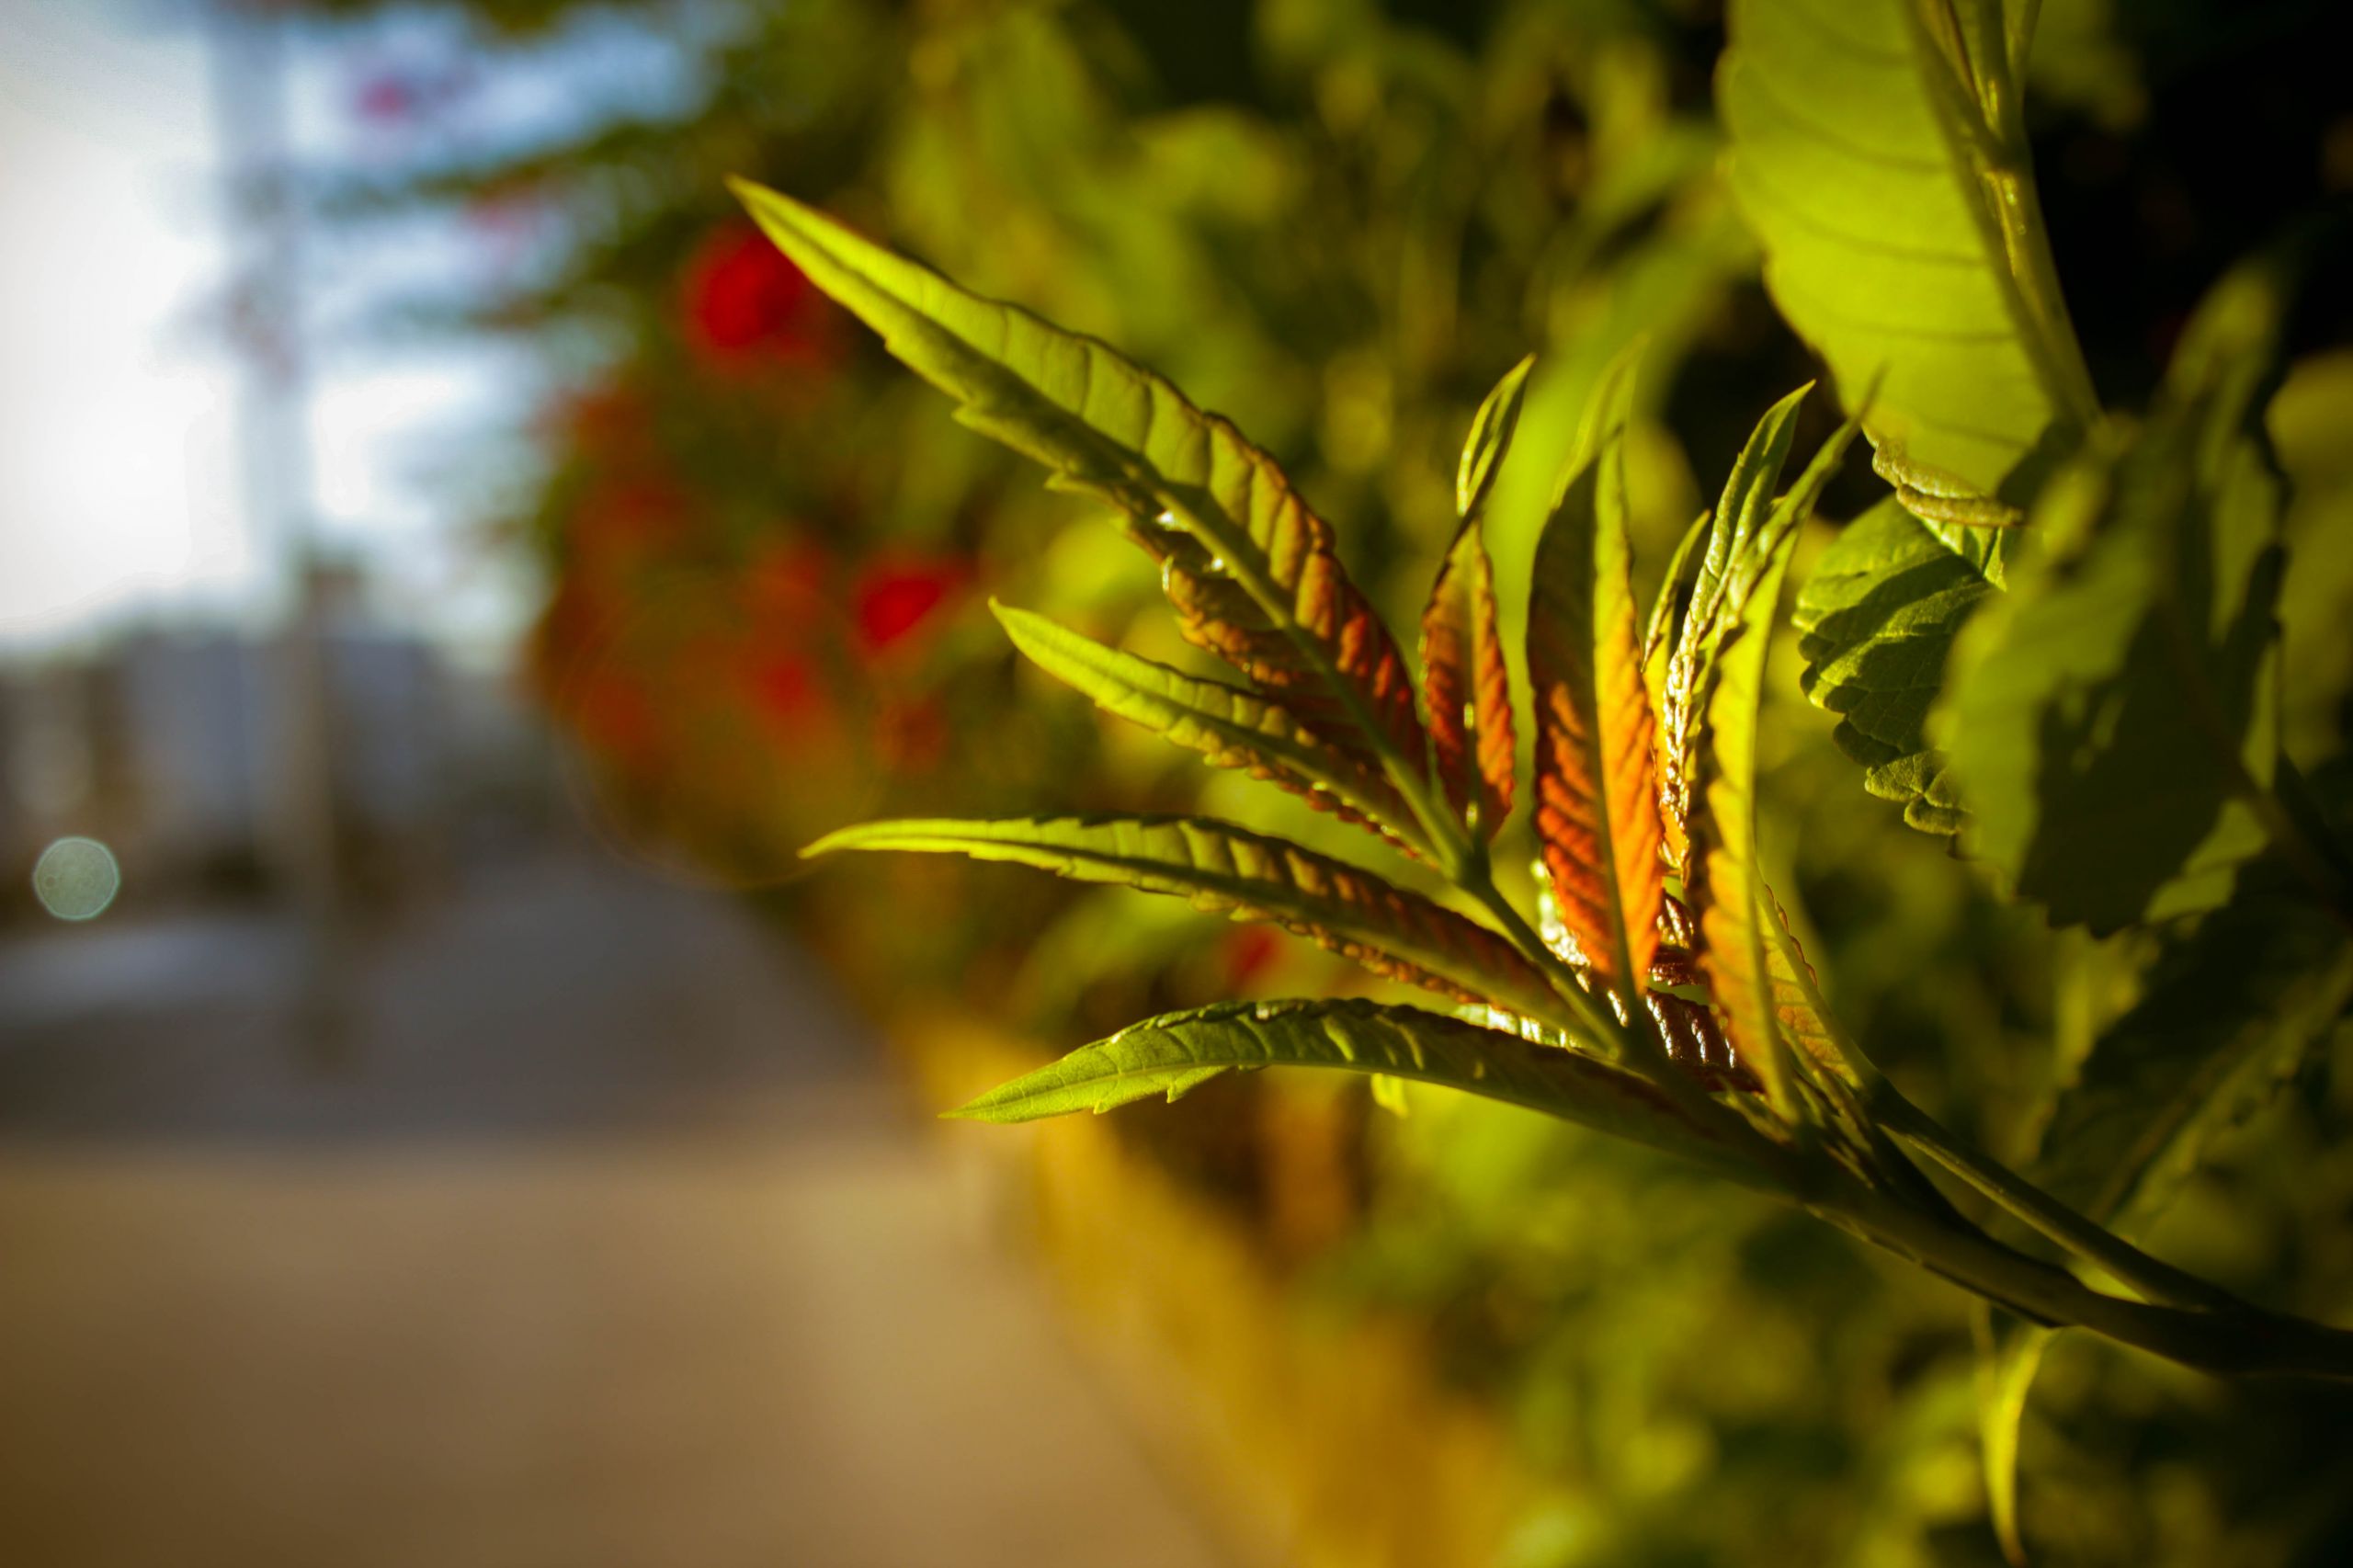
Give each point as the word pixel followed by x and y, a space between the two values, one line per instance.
pixel 599 1239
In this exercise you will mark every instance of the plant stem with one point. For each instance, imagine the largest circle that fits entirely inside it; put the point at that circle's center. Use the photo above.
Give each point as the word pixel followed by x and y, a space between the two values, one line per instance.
pixel 2153 1279
pixel 2241 1341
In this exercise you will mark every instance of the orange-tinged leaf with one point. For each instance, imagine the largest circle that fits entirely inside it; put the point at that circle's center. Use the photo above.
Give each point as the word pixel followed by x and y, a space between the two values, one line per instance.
pixel 1230 727
pixel 1466 687
pixel 1796 990
pixel 1254 572
pixel 1596 813
pixel 1346 645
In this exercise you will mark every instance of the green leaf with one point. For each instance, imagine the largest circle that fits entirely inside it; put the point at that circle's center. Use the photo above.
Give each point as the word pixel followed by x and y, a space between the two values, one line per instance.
pixel 1751 524
pixel 1169 1055
pixel 1740 514
pixel 2010 1354
pixel 1877 151
pixel 1253 571
pixel 2230 1014
pixel 1491 432
pixel 1227 870
pixel 2111 716
pixel 1673 598
pixel 1735 912
pixel 2233 1011
pixel 1877 622
pixel 1230 727
pixel 1597 815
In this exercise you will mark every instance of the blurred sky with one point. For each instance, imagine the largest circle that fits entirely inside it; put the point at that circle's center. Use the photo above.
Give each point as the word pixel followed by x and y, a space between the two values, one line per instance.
pixel 120 499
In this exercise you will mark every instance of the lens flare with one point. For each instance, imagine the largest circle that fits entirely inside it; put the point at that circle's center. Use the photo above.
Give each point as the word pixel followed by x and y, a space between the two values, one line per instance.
pixel 76 879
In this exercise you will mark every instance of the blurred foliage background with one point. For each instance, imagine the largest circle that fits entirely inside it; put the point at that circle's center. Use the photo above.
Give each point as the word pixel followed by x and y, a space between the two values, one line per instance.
pixel 768 554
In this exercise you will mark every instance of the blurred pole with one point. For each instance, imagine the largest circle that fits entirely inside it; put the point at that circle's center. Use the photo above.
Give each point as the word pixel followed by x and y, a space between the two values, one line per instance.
pixel 297 830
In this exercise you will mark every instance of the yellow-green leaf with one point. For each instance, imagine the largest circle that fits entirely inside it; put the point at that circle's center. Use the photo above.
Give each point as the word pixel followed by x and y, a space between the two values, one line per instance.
pixel 1739 955
pixel 1230 727
pixel 1248 876
pixel 1253 571
pixel 1170 1055
pixel 1878 151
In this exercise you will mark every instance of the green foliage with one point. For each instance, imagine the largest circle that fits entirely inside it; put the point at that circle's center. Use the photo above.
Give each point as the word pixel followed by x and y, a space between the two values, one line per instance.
pixel 2114 717
pixel 1879 150
pixel 2231 1012
pixel 1229 869
pixel 1738 919
pixel 1254 572
pixel 1336 224
pixel 1230 726
pixel 1172 1054
pixel 1129 437
pixel 1879 615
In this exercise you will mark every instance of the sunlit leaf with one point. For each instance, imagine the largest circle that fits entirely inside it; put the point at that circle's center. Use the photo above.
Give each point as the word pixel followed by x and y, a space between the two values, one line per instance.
pixel 1878 151
pixel 1467 687
pixel 1253 571
pixel 1878 619
pixel 1491 432
pixel 1169 1055
pixel 2110 716
pixel 1728 557
pixel 1728 885
pixel 1466 682
pixel 1597 815
pixel 2010 1354
pixel 1230 727
pixel 1230 870
pixel 1673 598
pixel 2230 1014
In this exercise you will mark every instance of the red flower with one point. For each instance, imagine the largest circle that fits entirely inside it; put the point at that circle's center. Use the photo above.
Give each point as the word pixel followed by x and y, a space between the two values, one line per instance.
pixel 894 599
pixel 745 302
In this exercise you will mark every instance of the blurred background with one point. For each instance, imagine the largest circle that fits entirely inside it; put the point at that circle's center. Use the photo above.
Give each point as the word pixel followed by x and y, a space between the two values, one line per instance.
pixel 449 563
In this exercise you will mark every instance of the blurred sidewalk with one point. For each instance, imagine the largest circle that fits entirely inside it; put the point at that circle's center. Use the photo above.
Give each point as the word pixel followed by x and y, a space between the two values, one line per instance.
pixel 600 1240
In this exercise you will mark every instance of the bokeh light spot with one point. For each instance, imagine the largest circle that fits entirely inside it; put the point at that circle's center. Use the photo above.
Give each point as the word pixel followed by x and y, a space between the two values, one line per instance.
pixel 75 879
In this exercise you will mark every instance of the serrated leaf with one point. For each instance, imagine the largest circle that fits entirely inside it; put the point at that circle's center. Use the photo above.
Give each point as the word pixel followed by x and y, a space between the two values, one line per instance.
pixel 1230 727
pixel 1877 622
pixel 1466 687
pixel 2228 1015
pixel 1597 815
pixel 1231 870
pixel 2233 1011
pixel 1877 149
pixel 1466 682
pixel 1172 1054
pixel 1673 601
pixel 1729 886
pixel 1491 432
pixel 1749 524
pixel 1253 571
pixel 1799 1006
pixel 2108 715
